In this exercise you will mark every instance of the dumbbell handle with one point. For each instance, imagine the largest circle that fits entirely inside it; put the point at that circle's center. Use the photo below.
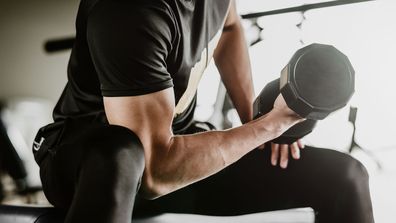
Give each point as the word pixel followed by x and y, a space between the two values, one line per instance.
pixel 264 104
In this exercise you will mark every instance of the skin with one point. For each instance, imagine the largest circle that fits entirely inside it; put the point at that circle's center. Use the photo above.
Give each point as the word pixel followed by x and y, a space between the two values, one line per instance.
pixel 232 60
pixel 173 162
pixel 280 153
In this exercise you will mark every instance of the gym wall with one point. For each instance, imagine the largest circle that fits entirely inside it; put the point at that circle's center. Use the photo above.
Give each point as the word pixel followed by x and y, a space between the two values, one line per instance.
pixel 25 69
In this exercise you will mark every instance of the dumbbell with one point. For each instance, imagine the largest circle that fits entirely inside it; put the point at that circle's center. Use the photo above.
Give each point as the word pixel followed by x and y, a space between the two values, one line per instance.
pixel 317 81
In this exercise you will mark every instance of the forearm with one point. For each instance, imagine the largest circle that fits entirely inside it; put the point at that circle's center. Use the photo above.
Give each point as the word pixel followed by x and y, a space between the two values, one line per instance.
pixel 232 60
pixel 191 158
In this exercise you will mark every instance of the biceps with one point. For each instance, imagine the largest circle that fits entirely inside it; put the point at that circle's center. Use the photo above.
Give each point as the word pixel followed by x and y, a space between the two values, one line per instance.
pixel 148 116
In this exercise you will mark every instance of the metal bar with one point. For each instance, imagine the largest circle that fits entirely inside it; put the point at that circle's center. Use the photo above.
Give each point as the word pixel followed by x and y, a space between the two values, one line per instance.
pixel 303 8
pixel 55 45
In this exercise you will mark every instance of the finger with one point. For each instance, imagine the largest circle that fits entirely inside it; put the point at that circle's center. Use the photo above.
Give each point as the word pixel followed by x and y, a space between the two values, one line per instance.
pixel 301 144
pixel 274 154
pixel 295 150
pixel 284 153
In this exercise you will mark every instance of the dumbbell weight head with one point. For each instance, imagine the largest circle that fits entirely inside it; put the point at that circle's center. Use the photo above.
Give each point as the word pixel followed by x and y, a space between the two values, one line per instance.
pixel 318 80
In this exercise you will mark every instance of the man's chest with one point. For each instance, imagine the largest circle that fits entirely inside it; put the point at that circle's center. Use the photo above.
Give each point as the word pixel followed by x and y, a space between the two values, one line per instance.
pixel 198 34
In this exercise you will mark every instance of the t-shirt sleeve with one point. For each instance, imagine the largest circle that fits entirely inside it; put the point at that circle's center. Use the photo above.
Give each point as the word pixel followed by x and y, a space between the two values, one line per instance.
pixel 129 45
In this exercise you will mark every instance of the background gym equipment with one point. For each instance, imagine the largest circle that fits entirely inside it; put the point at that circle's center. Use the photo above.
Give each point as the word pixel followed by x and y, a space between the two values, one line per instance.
pixel 65 43
pixel 354 145
pixel 10 161
pixel 318 80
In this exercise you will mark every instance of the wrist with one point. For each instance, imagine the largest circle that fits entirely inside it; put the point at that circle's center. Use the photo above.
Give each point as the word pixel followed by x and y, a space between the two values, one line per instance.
pixel 277 122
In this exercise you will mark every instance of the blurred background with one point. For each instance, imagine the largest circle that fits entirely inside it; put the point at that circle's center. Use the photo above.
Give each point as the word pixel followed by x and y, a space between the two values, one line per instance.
pixel 31 80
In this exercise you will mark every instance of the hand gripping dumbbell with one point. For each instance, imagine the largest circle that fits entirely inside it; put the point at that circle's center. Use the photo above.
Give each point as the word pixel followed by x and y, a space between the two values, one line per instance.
pixel 317 81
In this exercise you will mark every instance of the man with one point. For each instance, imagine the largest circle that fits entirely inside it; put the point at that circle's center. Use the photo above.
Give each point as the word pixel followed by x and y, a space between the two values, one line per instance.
pixel 122 138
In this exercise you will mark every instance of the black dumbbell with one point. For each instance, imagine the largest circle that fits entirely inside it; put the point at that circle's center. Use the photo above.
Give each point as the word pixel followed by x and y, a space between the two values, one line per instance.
pixel 318 80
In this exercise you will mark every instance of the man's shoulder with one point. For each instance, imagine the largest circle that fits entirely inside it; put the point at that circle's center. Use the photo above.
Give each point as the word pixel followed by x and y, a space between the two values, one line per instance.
pixel 130 11
pixel 119 17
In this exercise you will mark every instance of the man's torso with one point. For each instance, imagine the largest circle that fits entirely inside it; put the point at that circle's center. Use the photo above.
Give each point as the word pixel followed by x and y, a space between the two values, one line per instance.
pixel 197 29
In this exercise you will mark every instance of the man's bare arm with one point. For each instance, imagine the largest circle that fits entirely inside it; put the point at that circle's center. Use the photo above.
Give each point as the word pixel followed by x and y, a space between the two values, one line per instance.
pixel 173 162
pixel 232 60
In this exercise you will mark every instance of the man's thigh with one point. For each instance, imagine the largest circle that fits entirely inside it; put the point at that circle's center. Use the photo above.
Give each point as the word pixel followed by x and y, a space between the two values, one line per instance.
pixel 253 185
pixel 60 169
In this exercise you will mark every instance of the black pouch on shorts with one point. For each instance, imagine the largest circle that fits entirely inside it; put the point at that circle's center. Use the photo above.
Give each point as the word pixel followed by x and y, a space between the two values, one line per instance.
pixel 47 137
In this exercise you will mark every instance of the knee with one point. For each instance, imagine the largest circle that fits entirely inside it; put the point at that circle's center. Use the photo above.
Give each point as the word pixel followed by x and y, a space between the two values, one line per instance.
pixel 115 146
pixel 354 176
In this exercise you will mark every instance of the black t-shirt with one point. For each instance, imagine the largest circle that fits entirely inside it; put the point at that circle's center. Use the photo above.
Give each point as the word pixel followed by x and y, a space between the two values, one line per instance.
pixel 136 47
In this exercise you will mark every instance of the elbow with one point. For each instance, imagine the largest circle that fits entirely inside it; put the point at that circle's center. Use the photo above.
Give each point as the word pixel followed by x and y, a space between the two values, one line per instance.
pixel 158 179
pixel 152 187
pixel 150 193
